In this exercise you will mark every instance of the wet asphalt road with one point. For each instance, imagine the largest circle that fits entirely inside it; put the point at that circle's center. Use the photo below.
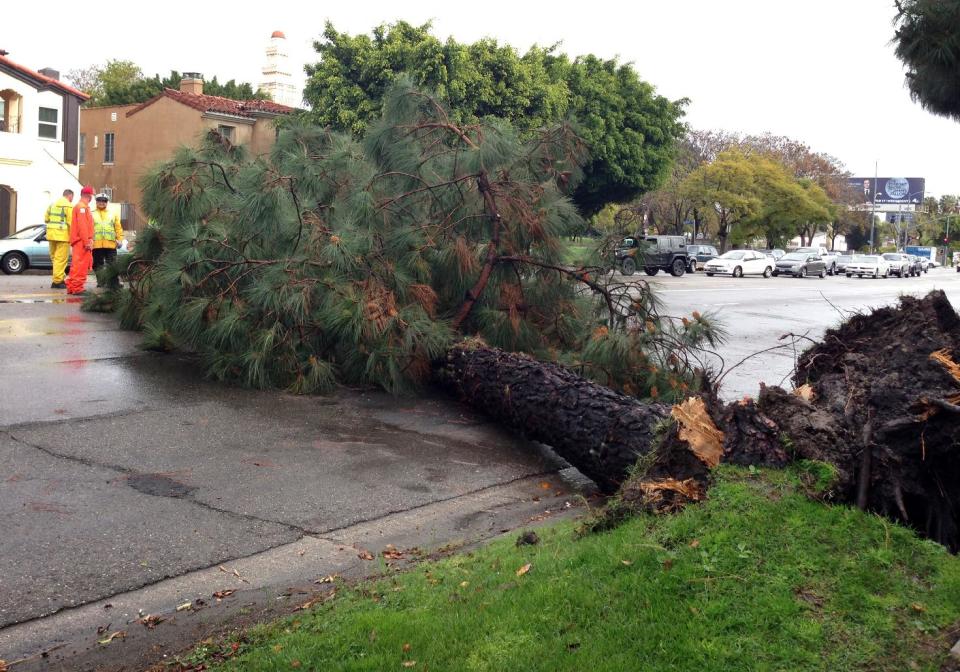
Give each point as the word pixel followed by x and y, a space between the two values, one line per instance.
pixel 757 312
pixel 120 468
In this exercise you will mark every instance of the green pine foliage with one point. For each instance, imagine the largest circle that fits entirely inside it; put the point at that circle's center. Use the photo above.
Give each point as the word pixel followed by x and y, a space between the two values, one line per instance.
pixel 363 261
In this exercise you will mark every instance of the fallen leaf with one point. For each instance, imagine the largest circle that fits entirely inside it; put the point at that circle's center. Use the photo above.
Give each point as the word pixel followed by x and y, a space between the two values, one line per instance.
pixel 372 636
pixel 695 543
pixel 150 621
pixel 544 485
pixel 277 648
pixel 220 594
pixel 329 578
pixel 805 392
pixel 523 570
pixel 464 584
pixel 232 571
pixel 390 552
pixel 667 564
pixel 699 431
pixel 119 634
pixel 406 648
pixel 365 555
pixel 626 562
pixel 918 607
pixel 185 606
pixel 409 663
pixel 294 663
pixel 3 666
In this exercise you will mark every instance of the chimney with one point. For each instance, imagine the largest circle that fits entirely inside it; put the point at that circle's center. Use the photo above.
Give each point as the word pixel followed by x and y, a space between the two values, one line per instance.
pixel 50 72
pixel 192 82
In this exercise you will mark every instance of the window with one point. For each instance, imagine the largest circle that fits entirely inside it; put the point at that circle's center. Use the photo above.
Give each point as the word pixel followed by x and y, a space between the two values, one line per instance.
pixel 226 132
pixel 48 123
pixel 108 191
pixel 109 147
pixel 83 148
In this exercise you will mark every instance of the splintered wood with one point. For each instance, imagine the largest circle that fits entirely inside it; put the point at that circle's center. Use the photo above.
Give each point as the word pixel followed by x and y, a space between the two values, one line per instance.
pixel 698 431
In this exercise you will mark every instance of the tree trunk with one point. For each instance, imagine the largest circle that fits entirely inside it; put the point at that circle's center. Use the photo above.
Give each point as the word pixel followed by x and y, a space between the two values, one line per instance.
pixel 600 432
pixel 884 410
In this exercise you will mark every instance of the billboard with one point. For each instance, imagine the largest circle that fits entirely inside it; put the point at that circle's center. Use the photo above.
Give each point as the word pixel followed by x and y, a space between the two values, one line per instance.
pixel 889 190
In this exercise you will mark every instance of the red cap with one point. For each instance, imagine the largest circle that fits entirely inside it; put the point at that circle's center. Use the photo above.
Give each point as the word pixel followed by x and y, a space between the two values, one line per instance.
pixel 86 191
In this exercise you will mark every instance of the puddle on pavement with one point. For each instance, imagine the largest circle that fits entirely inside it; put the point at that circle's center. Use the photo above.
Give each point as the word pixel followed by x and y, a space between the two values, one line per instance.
pixel 159 485
pixel 40 300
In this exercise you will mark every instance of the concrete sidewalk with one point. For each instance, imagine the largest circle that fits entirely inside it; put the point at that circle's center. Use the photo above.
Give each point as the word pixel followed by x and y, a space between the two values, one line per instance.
pixel 128 480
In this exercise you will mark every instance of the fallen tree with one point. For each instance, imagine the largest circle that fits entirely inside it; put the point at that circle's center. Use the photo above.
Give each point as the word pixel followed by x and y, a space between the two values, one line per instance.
pixel 879 399
pixel 432 250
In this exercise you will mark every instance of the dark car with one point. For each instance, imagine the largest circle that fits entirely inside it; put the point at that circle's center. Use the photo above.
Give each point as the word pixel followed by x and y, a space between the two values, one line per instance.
pixel 800 265
pixel 700 255
pixel 900 265
pixel 653 254
pixel 916 265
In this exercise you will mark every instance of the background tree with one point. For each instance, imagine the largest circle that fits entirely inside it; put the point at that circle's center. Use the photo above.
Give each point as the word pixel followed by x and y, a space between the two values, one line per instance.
pixel 123 83
pixel 928 43
pixel 629 129
pixel 727 186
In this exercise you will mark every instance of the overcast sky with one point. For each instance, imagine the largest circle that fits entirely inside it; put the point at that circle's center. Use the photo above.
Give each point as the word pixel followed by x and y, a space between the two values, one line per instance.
pixel 819 71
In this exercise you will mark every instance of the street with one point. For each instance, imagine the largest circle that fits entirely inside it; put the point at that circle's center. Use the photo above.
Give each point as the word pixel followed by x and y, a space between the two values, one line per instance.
pixel 757 312
pixel 130 481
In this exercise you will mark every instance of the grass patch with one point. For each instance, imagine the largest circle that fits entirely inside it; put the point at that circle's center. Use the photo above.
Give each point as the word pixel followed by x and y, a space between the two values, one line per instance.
pixel 578 253
pixel 759 577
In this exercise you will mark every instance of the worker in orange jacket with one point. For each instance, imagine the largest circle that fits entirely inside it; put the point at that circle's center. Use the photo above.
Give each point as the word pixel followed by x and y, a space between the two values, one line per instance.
pixel 81 243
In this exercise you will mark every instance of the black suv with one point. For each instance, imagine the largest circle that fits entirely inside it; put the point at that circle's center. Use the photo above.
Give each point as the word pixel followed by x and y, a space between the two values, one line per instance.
pixel 653 254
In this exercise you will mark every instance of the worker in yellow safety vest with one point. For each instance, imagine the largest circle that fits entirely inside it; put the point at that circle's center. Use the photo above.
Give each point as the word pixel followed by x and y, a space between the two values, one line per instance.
pixel 57 219
pixel 107 234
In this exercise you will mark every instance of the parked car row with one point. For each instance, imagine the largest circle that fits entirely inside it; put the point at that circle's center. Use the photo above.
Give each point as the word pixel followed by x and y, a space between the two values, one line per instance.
pixel 672 254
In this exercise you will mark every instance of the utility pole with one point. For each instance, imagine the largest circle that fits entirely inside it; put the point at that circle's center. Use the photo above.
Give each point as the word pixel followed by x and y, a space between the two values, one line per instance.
pixel 873 212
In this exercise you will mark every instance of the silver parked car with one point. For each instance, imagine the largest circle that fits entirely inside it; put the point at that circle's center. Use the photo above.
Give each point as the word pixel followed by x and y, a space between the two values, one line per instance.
pixel 25 249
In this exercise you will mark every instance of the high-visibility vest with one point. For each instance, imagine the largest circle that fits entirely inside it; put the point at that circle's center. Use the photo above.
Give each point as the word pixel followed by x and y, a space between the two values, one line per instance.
pixel 57 217
pixel 103 226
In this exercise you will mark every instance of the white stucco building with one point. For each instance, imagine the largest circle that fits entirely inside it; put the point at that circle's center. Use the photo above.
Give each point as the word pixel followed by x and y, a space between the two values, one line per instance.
pixel 277 76
pixel 40 152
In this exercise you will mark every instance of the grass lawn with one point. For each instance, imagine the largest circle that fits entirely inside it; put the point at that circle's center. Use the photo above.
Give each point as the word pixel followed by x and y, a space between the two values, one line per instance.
pixel 577 253
pixel 759 577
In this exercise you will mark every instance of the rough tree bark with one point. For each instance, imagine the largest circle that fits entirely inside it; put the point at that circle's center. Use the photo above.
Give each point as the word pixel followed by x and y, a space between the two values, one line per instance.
pixel 884 410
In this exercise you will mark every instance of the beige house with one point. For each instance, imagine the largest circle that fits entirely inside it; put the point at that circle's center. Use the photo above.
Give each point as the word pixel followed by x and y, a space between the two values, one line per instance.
pixel 119 143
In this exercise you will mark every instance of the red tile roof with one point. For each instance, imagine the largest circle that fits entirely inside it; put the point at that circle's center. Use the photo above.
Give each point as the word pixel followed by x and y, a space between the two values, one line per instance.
pixel 204 103
pixel 43 80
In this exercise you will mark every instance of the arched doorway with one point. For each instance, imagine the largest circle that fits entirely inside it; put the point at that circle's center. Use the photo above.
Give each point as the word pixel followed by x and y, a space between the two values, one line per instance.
pixel 8 210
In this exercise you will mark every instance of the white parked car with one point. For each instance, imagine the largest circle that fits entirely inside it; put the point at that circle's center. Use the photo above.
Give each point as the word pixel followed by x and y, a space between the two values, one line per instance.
pixel 870 265
pixel 739 263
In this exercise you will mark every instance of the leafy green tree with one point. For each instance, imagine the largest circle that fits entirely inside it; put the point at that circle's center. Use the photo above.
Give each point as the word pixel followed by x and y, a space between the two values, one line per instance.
pixel 364 261
pixel 123 83
pixel 928 43
pixel 100 82
pixel 629 129
pixel 727 186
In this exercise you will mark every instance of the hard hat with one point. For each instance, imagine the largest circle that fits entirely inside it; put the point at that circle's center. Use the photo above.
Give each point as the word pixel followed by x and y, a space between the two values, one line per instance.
pixel 102 197
pixel 87 191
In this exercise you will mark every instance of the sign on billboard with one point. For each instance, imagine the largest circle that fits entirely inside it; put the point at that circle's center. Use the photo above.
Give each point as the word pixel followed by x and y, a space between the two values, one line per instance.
pixel 889 190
